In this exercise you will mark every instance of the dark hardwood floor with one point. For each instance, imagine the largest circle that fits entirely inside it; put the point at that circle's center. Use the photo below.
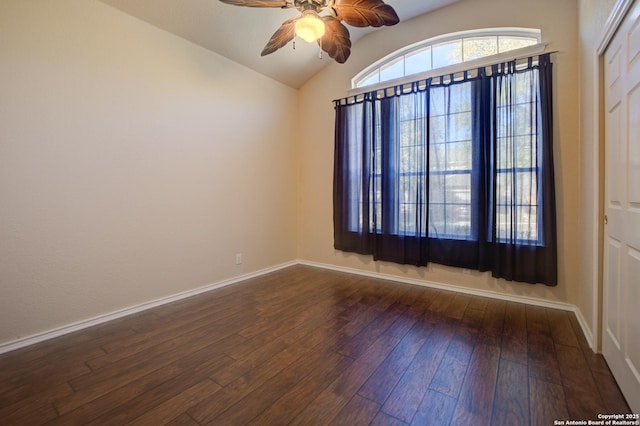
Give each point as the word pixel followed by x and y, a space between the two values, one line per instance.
pixel 306 346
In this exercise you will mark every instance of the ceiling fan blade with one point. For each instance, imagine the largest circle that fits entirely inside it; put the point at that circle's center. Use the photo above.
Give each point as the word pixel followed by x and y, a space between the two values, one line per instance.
pixel 281 37
pixel 336 41
pixel 258 3
pixel 365 13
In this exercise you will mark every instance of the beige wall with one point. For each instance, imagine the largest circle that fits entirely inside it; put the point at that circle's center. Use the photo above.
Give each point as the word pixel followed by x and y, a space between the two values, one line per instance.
pixel 133 165
pixel 558 21
pixel 593 15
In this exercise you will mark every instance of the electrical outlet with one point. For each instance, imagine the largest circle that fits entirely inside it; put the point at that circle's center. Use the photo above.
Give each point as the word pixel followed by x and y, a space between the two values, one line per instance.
pixel 238 258
pixel 466 271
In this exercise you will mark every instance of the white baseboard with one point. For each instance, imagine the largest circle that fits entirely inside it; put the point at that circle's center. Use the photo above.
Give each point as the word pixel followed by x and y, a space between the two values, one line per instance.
pixel 586 330
pixel 57 332
pixel 80 325
pixel 476 292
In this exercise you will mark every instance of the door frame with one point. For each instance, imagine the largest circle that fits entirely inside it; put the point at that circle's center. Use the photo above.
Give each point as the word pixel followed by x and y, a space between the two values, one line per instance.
pixel 612 24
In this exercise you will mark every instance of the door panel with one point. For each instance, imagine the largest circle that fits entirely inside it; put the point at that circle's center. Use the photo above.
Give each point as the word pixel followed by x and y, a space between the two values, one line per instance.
pixel 613 158
pixel 633 328
pixel 612 320
pixel 633 148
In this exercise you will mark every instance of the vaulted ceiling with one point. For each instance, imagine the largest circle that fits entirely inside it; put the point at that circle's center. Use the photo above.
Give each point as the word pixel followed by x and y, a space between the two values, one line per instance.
pixel 240 33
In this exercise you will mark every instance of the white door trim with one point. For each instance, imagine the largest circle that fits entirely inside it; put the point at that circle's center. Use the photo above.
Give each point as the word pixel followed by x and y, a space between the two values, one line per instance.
pixel 616 17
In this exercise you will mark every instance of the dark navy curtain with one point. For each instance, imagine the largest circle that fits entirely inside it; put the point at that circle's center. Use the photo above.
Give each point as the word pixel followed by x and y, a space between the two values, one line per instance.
pixel 456 170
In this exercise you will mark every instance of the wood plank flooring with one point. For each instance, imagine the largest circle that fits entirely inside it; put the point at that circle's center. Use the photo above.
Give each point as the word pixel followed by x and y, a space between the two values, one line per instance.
pixel 305 346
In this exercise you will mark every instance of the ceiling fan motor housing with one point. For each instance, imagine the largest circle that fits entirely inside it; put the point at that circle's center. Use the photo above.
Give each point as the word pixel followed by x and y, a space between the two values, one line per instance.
pixel 315 5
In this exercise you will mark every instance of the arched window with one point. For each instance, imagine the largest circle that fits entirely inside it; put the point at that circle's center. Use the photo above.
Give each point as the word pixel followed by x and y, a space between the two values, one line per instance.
pixel 445 51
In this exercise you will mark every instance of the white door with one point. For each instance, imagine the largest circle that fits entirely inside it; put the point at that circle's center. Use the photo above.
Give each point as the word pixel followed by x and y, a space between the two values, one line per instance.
pixel 621 297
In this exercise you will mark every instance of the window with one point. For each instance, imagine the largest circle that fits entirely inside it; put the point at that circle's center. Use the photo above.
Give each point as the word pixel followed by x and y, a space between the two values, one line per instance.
pixel 455 170
pixel 445 51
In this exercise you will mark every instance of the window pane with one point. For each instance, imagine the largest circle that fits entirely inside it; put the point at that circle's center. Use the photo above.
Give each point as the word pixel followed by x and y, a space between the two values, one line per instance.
pixel 372 78
pixel 506 43
pixel 407 218
pixel 450 156
pixel 450 205
pixel 445 54
pixel 517 224
pixel 503 188
pixel 437 101
pixel 459 128
pixel 407 189
pixel 418 61
pixel 459 157
pixel 437 221
pixel 437 132
pixel 412 159
pixel 458 188
pixel 411 132
pixel 526 151
pixel 523 118
pixel 527 223
pixel 458 220
pixel 526 188
pixel 437 156
pixel 459 98
pixel 479 47
pixel 394 69
pixel 411 107
pixel 517 205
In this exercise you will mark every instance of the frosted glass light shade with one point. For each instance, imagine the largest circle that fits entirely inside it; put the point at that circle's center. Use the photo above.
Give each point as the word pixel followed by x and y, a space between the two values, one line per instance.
pixel 310 27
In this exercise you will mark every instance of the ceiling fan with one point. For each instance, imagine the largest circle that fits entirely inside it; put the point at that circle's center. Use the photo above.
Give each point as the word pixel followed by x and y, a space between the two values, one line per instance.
pixel 327 30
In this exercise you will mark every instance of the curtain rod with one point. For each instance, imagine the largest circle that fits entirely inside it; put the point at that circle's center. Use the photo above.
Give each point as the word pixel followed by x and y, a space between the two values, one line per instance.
pixel 514 55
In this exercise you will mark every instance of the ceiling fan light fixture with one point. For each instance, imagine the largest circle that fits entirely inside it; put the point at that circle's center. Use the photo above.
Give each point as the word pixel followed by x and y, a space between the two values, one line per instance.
pixel 310 27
